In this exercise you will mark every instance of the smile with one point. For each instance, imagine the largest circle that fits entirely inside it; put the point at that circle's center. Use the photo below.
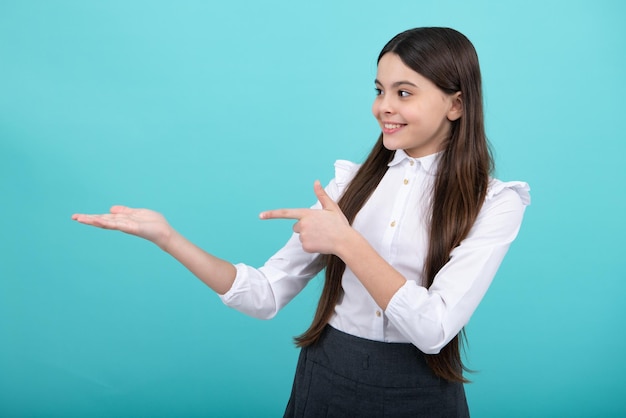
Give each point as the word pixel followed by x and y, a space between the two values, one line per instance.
pixel 390 128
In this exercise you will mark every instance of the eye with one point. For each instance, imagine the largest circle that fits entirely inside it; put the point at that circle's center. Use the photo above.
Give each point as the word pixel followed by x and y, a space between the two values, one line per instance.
pixel 378 91
pixel 403 93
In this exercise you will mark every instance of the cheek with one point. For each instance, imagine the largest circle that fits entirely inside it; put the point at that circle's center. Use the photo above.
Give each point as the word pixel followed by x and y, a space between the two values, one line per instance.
pixel 375 109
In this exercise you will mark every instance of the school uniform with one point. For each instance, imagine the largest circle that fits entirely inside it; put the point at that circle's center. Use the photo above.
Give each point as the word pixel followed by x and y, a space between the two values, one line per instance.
pixel 370 362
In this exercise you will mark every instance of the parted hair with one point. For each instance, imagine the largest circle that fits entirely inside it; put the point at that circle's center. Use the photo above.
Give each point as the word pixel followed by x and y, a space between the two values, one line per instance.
pixel 448 59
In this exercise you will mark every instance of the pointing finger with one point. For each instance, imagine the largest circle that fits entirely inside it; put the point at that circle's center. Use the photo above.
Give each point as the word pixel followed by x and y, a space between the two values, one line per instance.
pixel 284 214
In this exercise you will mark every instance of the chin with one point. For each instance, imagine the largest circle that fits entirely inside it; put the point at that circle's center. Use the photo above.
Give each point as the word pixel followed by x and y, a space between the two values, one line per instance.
pixel 390 145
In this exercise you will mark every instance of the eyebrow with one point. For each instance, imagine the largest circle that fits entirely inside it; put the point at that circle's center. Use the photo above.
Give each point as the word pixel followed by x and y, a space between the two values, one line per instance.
pixel 397 83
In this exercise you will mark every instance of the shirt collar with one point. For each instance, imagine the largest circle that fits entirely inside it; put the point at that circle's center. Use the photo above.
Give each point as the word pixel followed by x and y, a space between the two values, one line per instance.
pixel 428 163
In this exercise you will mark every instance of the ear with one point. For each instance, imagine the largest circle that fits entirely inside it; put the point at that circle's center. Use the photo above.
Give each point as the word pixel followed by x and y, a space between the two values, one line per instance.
pixel 456 108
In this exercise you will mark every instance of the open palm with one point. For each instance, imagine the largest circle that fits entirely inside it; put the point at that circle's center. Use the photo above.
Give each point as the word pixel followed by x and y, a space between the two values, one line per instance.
pixel 144 223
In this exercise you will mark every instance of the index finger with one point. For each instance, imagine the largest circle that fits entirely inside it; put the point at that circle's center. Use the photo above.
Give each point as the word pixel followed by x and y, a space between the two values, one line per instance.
pixel 284 214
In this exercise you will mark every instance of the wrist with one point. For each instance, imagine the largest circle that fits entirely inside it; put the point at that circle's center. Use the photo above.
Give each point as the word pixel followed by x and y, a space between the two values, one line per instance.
pixel 167 240
pixel 347 243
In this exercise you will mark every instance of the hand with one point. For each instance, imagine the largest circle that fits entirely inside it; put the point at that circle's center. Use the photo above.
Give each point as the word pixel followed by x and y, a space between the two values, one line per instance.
pixel 143 223
pixel 321 231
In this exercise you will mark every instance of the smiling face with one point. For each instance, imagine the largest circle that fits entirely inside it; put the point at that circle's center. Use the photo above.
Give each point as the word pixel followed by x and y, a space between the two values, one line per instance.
pixel 413 113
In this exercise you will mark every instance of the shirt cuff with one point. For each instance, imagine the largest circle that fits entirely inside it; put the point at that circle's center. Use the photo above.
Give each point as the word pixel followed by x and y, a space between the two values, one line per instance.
pixel 417 316
pixel 240 285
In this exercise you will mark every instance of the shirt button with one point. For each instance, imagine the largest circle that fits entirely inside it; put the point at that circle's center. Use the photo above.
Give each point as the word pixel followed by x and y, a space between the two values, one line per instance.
pixel 392 224
pixel 411 162
pixel 406 181
pixel 378 314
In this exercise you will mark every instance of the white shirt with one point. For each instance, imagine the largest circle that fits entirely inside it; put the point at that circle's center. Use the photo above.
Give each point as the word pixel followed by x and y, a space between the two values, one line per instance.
pixel 395 222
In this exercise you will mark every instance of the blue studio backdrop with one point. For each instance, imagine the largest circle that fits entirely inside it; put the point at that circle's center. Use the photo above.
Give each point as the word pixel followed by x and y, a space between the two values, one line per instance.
pixel 211 112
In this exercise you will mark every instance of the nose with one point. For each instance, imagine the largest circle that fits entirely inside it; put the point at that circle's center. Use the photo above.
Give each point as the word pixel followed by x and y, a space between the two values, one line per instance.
pixel 385 104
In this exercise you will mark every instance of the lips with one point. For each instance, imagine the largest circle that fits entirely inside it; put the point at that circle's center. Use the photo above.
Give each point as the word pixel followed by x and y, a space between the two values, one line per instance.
pixel 390 128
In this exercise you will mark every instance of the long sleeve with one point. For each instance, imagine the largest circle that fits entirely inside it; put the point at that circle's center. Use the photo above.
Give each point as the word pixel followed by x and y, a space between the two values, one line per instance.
pixel 262 292
pixel 394 221
pixel 430 318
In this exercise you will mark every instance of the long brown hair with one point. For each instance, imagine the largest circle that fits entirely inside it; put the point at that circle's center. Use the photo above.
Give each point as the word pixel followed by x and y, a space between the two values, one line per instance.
pixel 449 60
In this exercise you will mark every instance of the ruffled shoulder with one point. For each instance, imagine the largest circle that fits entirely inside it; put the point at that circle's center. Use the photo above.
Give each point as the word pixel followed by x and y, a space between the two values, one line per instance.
pixel 521 188
pixel 344 172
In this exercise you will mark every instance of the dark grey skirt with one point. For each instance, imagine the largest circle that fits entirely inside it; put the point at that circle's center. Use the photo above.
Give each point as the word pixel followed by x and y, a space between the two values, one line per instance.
pixel 347 376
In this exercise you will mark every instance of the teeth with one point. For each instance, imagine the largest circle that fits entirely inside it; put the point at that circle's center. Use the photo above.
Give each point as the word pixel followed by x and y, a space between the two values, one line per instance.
pixel 392 125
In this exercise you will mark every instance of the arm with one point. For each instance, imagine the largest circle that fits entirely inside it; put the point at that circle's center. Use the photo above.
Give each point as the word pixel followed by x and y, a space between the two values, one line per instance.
pixel 216 273
pixel 260 293
pixel 429 318
pixel 327 231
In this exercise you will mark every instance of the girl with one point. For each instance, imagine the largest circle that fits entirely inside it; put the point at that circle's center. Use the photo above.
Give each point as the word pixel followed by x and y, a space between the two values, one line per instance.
pixel 409 240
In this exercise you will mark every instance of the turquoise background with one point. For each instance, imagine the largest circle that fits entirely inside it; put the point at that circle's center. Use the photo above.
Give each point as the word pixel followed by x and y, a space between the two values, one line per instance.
pixel 211 112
